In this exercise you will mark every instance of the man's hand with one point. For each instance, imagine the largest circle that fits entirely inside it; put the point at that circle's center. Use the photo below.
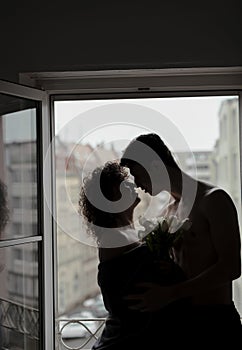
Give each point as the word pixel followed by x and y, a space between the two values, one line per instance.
pixel 153 299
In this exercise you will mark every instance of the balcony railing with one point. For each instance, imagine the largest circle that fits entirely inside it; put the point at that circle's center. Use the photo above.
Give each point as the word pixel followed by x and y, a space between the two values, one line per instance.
pixel 88 331
pixel 24 320
pixel 19 318
pixel 89 336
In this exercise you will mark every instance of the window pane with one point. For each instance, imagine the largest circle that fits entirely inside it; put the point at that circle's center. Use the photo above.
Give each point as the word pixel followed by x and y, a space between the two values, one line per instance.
pixel 89 133
pixel 19 297
pixel 18 165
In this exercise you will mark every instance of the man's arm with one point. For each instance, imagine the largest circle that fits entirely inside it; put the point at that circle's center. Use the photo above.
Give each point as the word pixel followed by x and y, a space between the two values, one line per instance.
pixel 225 232
pixel 219 210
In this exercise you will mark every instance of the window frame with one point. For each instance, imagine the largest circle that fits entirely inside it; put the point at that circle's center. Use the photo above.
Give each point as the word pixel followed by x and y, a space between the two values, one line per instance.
pixel 44 238
pixel 140 83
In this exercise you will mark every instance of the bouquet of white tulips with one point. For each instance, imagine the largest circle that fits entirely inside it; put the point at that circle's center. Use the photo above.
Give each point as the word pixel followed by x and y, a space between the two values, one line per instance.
pixel 162 234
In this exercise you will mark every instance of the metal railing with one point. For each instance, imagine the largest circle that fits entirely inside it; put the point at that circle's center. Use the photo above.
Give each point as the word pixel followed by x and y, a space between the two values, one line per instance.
pixel 90 333
pixel 23 319
pixel 19 318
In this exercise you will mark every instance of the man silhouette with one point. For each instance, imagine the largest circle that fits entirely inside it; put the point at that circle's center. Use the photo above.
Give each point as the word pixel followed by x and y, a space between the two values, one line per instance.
pixel 209 253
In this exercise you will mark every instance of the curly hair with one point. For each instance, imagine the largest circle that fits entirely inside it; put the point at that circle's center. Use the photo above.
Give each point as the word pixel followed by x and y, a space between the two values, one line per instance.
pixel 4 211
pixel 108 178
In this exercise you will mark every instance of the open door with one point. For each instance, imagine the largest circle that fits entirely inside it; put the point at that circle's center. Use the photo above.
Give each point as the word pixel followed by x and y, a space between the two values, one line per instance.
pixel 26 289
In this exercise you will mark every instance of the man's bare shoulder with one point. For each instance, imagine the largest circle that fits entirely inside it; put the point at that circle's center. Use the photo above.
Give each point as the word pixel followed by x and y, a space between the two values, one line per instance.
pixel 217 199
pixel 212 193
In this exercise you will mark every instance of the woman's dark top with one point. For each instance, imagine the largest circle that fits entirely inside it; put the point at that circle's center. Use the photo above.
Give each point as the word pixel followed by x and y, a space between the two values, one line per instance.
pixel 131 328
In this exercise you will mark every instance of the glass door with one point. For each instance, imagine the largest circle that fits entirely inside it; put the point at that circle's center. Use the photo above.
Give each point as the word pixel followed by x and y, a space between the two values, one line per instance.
pixel 23 243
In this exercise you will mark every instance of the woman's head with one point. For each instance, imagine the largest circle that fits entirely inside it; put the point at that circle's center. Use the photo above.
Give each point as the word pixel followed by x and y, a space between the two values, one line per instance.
pixel 109 179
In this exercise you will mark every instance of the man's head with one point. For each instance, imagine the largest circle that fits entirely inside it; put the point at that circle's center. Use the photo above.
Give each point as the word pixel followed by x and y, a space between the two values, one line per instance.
pixel 150 162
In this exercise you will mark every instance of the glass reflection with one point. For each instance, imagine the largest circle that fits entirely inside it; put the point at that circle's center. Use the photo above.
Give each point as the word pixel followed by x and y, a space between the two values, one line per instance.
pixel 19 297
pixel 18 165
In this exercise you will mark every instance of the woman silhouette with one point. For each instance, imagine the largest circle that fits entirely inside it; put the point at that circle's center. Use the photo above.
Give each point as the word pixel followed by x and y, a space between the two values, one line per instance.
pixel 125 260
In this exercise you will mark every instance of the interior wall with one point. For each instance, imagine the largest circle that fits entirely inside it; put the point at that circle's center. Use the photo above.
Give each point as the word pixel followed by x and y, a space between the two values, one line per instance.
pixel 92 35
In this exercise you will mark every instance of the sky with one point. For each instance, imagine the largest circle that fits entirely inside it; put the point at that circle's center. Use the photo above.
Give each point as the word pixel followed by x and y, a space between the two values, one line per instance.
pixel 195 118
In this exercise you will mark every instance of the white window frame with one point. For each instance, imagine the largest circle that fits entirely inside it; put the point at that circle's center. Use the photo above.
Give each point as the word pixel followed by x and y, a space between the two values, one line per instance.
pixel 136 80
pixel 134 83
pixel 47 332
